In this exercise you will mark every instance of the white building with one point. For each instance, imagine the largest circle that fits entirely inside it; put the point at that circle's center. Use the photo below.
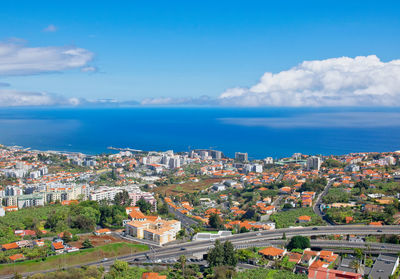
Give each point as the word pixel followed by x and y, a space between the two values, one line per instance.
pixel 313 163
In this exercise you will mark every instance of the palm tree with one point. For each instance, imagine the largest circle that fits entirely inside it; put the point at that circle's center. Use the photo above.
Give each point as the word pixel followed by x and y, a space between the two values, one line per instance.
pixel 356 264
pixel 182 261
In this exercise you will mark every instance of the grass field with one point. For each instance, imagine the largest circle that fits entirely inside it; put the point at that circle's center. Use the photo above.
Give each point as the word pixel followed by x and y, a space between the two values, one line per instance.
pixel 285 219
pixel 188 187
pixel 76 258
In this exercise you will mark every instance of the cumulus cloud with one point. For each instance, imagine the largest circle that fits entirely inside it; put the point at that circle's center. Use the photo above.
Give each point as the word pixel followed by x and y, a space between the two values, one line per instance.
pixel 344 81
pixel 18 59
pixel 50 28
pixel 14 98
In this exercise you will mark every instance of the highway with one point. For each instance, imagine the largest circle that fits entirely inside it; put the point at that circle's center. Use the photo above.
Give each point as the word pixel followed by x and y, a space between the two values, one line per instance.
pixel 261 238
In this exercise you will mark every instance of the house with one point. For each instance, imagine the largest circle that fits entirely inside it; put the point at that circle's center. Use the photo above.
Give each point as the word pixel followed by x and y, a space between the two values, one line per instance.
pixel 304 219
pixel 377 224
pixel 295 257
pixel 384 266
pixel 102 231
pixel 322 272
pixel 272 253
pixel 57 247
pixel 9 246
pixel 38 242
pixel 17 257
pixel 153 275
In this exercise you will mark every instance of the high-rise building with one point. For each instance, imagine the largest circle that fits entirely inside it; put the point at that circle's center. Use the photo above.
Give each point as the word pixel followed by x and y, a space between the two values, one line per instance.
pixel 242 157
pixel 313 163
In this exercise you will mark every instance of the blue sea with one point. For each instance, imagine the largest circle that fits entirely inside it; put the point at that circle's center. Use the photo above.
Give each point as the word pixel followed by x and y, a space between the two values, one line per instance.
pixel 262 132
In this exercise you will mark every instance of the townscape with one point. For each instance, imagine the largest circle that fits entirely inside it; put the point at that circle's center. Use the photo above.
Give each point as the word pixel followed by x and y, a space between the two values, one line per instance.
pixel 198 214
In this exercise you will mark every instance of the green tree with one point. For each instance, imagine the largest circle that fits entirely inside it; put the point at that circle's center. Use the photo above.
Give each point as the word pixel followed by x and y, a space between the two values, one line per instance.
pixel 216 255
pixel 230 257
pixel 143 205
pixel 87 243
pixel 215 221
pixel 163 209
pixel 299 242
pixel 122 198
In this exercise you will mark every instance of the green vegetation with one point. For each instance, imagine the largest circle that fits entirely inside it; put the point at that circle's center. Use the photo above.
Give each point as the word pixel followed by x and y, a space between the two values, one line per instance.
pixel 75 258
pixel 267 274
pixel 336 195
pixel 299 242
pixel 285 219
pixel 315 185
pixel 222 254
pixel 56 218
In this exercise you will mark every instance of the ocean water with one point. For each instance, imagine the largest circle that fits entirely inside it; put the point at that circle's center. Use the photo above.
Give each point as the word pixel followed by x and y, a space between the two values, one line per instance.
pixel 261 132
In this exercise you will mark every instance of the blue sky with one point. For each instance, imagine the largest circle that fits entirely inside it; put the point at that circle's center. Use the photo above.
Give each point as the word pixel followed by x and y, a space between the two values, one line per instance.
pixel 186 49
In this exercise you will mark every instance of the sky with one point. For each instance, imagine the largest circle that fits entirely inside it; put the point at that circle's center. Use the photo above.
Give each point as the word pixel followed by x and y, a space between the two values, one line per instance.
pixel 218 53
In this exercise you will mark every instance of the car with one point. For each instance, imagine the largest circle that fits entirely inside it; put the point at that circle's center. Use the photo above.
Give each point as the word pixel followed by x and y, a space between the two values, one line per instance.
pixel 104 260
pixel 259 234
pixel 183 248
pixel 379 230
pixel 315 229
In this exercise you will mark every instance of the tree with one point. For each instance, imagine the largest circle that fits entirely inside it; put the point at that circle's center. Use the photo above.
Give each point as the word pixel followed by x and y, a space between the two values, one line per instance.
pixel 356 265
pixel 358 253
pixel 215 221
pixel 216 255
pixel 67 236
pixel 143 205
pixel 182 261
pixel 250 214
pixel 222 254
pixel 122 198
pixel 163 209
pixel 230 257
pixel 299 242
pixel 87 243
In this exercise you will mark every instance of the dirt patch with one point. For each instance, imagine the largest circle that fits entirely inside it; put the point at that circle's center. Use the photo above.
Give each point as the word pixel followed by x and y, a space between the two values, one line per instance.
pixel 188 187
pixel 97 240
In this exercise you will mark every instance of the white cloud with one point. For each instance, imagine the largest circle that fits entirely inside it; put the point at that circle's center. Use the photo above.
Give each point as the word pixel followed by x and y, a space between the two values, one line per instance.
pixel 89 69
pixel 17 59
pixel 13 98
pixel 169 101
pixel 344 81
pixel 50 28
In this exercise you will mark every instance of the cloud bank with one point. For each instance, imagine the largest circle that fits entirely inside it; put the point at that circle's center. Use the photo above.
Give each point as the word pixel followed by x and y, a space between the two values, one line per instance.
pixel 15 98
pixel 18 59
pixel 323 120
pixel 344 81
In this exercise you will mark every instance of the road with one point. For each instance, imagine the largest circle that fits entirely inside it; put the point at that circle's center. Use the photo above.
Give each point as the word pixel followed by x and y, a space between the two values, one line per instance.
pixel 318 202
pixel 252 238
pixel 186 221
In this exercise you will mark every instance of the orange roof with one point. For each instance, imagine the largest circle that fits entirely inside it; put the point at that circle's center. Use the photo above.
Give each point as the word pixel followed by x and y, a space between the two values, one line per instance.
pixel 58 245
pixel 304 218
pixel 9 246
pixel 103 230
pixel 153 275
pixel 271 251
pixel 379 223
pixel 16 257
